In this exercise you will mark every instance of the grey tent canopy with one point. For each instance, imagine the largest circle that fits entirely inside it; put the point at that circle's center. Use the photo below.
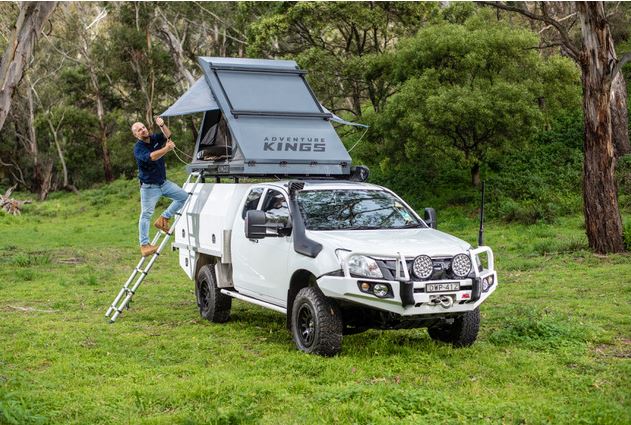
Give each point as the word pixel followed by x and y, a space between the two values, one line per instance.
pixel 261 118
pixel 199 98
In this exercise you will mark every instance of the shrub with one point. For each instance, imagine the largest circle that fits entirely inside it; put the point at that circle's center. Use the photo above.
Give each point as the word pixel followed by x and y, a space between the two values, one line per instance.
pixel 623 174
pixel 627 236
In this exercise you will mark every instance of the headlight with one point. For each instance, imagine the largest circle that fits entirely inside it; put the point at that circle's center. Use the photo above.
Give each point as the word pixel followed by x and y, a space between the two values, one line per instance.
pixel 461 265
pixel 364 266
pixel 423 267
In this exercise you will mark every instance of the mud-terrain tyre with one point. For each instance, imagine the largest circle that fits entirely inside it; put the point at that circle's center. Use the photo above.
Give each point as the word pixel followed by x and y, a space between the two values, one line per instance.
pixel 316 323
pixel 461 333
pixel 213 305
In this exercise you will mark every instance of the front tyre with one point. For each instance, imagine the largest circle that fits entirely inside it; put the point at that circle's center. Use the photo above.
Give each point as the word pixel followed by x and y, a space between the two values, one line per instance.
pixel 461 333
pixel 213 305
pixel 316 323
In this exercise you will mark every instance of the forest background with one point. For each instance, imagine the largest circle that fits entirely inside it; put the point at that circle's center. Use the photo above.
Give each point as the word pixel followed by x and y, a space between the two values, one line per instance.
pixel 453 95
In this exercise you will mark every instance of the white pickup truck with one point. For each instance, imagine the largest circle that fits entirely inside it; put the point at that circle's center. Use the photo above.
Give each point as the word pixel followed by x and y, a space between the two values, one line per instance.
pixel 336 256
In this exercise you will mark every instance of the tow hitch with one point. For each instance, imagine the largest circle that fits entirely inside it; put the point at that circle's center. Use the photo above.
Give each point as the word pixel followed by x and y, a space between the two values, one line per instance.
pixel 445 301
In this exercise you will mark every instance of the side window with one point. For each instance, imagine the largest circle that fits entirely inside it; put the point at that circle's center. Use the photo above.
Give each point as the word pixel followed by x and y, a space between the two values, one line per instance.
pixel 253 200
pixel 275 207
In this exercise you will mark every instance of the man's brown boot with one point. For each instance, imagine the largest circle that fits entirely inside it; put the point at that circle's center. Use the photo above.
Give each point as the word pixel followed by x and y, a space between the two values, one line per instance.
pixel 162 223
pixel 146 250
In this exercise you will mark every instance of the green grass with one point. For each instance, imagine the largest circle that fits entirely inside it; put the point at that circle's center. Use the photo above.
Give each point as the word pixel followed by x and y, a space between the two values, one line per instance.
pixel 554 347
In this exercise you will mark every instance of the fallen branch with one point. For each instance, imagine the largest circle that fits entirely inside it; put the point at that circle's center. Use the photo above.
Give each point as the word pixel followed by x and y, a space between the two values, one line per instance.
pixel 12 206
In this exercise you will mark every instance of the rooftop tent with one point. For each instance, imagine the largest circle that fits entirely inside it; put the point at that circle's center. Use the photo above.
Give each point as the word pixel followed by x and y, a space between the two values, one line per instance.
pixel 199 98
pixel 261 118
pixel 196 99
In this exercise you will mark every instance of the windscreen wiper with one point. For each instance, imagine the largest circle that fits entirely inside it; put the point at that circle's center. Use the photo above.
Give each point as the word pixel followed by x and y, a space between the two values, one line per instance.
pixel 409 226
pixel 361 228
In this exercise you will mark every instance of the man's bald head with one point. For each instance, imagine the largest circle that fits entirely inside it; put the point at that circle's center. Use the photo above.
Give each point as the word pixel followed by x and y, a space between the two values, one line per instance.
pixel 139 131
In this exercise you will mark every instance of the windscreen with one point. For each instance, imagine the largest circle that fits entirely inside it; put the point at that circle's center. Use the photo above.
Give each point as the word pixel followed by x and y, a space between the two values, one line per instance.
pixel 354 210
pixel 267 92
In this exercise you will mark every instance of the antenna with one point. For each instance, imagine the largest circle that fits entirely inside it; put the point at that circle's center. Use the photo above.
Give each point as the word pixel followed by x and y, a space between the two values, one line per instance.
pixel 481 233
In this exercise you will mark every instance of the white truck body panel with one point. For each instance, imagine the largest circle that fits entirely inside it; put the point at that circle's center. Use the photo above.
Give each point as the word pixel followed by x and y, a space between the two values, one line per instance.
pixel 206 222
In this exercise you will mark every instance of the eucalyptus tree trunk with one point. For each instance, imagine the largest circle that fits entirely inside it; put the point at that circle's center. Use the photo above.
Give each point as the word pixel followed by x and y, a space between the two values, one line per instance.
pixel 598 59
pixel 175 49
pixel 19 49
pixel 102 134
pixel 42 168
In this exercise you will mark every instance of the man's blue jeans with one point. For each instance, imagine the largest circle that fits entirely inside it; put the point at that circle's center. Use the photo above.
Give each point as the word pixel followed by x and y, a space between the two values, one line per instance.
pixel 149 196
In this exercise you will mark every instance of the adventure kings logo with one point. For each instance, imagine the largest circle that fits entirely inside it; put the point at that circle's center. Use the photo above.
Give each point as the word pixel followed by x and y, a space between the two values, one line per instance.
pixel 295 144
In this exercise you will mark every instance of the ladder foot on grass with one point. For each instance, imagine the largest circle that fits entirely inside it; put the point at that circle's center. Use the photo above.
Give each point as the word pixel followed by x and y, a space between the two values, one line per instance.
pixel 128 290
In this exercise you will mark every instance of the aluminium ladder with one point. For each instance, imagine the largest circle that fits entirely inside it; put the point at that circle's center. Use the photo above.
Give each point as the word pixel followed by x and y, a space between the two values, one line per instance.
pixel 127 291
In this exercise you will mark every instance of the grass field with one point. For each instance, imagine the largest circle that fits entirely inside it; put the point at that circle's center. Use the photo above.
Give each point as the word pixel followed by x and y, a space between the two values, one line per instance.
pixel 554 346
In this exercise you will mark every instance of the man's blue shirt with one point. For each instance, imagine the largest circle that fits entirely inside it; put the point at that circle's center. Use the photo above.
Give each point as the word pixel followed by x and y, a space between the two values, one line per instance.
pixel 150 172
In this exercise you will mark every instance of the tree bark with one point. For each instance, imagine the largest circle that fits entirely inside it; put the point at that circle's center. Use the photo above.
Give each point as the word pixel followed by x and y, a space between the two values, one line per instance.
pixel 475 174
pixel 19 49
pixel 602 216
pixel 64 168
pixel 175 49
pixel 620 116
pixel 100 114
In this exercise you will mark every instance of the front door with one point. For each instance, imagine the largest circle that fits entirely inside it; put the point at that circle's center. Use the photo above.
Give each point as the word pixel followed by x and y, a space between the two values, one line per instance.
pixel 260 266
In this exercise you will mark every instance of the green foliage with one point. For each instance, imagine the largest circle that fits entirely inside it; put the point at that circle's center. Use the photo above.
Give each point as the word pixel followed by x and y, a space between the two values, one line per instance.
pixel 470 91
pixel 623 176
pixel 627 236
pixel 340 43
pixel 540 181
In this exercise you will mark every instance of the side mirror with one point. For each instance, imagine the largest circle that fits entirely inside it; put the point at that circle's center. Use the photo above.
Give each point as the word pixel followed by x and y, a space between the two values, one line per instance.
pixel 255 225
pixel 429 216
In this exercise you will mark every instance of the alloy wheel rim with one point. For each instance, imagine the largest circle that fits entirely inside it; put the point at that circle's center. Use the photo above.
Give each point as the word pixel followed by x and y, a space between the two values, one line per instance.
pixel 204 295
pixel 306 325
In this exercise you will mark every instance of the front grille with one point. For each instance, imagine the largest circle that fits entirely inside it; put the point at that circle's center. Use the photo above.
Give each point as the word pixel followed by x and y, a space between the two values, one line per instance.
pixel 442 268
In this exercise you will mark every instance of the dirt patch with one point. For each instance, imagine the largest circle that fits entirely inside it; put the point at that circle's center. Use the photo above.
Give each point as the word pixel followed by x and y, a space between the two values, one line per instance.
pixel 620 349
pixel 70 260
pixel 28 309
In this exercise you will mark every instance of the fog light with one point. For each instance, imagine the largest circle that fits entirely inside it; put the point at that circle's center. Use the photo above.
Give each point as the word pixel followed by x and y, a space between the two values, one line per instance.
pixel 380 290
pixel 365 286
pixel 487 282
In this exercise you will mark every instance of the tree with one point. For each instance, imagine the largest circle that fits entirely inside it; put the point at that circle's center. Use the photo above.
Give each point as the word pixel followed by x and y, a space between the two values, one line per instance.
pixel 32 17
pixel 340 43
pixel 75 43
pixel 472 88
pixel 600 66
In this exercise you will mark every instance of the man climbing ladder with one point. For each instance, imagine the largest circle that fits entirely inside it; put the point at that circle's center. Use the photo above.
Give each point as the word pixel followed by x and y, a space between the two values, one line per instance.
pixel 149 152
pixel 139 273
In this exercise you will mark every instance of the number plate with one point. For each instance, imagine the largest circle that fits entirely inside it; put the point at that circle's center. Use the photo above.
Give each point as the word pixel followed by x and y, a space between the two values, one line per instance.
pixel 442 287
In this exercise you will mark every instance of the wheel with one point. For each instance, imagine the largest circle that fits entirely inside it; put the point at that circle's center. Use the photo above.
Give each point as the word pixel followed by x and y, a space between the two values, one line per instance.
pixel 213 305
pixel 316 323
pixel 461 333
